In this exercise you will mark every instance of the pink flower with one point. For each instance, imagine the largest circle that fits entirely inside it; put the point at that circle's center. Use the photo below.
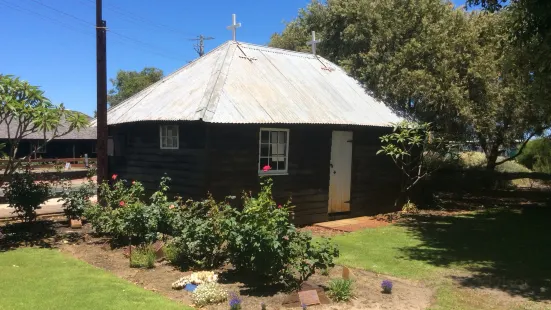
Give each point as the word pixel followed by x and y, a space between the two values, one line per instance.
pixel 114 176
pixel 133 182
pixel 279 206
pixel 171 207
pixel 286 237
pixel 266 168
pixel 121 203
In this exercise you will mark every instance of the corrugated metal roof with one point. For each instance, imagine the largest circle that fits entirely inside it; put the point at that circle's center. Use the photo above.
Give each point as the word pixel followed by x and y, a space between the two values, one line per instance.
pixel 245 83
pixel 86 133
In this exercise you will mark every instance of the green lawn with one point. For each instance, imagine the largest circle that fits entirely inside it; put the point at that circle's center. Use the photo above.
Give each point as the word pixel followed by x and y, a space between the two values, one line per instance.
pixel 507 250
pixel 33 278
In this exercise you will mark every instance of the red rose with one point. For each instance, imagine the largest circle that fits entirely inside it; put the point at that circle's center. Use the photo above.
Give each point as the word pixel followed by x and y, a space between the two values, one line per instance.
pixel 279 207
pixel 266 168
pixel 121 203
pixel 114 177
pixel 133 182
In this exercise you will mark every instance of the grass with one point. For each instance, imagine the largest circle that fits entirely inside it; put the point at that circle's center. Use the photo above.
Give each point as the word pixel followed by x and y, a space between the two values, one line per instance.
pixel 143 257
pixel 505 250
pixel 379 250
pixel 34 278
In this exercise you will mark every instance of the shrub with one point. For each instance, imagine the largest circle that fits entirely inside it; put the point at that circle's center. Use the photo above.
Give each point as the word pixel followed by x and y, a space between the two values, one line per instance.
pixel 410 207
pixel 209 293
pixel 125 214
pixel 340 289
pixel 143 257
pixel 265 244
pixel 386 285
pixel 25 195
pixel 537 155
pixel 200 233
pixel 308 255
pixel 76 201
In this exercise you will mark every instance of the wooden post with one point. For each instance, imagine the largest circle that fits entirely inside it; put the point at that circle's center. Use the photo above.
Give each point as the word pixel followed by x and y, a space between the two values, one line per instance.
pixel 101 69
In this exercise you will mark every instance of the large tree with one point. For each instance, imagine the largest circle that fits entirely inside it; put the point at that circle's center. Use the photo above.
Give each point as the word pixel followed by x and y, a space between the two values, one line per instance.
pixel 434 63
pixel 128 83
pixel 25 110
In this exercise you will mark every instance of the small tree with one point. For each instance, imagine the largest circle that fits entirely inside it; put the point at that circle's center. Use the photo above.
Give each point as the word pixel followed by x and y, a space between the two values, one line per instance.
pixel 24 110
pixel 25 195
pixel 416 151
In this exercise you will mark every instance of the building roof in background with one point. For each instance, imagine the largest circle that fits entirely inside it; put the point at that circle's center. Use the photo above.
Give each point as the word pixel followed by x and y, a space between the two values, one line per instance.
pixel 243 83
pixel 87 133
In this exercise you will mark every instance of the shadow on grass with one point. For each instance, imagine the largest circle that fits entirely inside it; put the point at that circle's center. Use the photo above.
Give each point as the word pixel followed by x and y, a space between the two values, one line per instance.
pixel 39 233
pixel 506 249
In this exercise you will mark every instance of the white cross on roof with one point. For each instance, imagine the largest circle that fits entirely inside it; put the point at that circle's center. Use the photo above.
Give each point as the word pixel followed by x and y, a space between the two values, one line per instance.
pixel 233 27
pixel 313 42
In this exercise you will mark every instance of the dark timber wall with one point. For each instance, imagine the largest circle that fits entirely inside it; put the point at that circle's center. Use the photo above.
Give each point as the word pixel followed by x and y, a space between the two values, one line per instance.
pixel 223 159
pixel 139 157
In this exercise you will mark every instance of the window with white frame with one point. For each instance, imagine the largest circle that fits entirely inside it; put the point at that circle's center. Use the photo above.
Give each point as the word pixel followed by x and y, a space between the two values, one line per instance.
pixel 274 150
pixel 169 137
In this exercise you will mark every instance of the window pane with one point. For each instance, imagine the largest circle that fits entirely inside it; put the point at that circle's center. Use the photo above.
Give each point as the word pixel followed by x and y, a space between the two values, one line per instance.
pixel 273 136
pixel 263 162
pixel 163 131
pixel 282 137
pixel 175 141
pixel 264 136
pixel 163 141
pixel 273 164
pixel 264 149
pixel 281 165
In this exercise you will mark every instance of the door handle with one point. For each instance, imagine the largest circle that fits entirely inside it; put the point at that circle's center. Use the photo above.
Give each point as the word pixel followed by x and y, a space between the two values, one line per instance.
pixel 334 172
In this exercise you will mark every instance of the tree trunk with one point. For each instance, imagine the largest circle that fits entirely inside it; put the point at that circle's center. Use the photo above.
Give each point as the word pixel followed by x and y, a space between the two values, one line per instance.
pixel 491 158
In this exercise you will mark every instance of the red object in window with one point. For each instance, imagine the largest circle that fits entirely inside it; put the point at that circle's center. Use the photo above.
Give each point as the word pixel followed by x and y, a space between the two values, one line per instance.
pixel 266 168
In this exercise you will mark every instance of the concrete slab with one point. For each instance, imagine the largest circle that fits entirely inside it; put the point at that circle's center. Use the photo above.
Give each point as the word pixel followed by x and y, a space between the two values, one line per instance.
pixel 352 224
pixel 51 206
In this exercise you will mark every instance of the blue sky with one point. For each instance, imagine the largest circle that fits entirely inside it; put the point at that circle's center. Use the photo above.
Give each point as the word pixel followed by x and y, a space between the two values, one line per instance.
pixel 51 43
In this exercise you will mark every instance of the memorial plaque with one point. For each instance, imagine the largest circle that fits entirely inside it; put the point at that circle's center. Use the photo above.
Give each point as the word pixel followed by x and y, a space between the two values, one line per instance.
pixel 309 298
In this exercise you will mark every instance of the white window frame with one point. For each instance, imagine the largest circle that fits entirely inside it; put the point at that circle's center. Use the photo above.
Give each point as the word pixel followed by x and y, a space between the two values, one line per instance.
pixel 161 138
pixel 273 171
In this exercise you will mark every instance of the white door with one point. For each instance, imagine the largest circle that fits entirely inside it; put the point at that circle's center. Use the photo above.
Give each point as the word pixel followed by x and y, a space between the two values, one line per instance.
pixel 340 172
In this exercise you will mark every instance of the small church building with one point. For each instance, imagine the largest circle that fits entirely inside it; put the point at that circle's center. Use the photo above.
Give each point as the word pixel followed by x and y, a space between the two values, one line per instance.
pixel 214 124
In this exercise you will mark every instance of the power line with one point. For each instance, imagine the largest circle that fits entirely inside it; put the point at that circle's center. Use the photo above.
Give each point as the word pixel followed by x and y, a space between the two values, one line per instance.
pixel 16 7
pixel 64 13
pixel 140 20
pixel 154 49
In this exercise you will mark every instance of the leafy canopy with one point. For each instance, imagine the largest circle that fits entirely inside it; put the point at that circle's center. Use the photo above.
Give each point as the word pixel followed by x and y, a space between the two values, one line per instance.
pixel 129 83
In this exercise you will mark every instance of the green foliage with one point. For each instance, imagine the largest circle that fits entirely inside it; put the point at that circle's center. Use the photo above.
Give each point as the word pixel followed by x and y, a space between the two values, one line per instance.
pixel 143 257
pixel 75 201
pixel 209 293
pixel 477 160
pixel 436 63
pixel 125 214
pixel 129 83
pixel 340 289
pixel 200 230
pixel 25 195
pixel 416 151
pixel 265 244
pixel 537 155
pixel 26 110
pixel 410 207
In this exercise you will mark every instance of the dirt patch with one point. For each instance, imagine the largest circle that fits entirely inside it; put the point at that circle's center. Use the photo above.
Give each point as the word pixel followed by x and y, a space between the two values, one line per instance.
pixel 97 252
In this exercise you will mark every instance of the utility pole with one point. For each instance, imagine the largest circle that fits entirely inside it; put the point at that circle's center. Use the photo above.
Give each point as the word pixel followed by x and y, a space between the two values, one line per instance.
pixel 101 69
pixel 200 45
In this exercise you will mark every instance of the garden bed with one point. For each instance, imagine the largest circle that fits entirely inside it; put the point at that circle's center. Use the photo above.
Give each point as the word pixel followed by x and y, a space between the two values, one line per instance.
pixel 97 252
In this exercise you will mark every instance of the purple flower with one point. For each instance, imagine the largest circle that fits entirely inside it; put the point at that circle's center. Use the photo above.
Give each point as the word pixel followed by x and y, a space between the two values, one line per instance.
pixel 263 306
pixel 386 285
pixel 235 302
pixel 303 306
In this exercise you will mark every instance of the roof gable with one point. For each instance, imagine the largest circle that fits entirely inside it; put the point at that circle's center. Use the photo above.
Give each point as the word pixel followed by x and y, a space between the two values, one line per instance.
pixel 244 83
